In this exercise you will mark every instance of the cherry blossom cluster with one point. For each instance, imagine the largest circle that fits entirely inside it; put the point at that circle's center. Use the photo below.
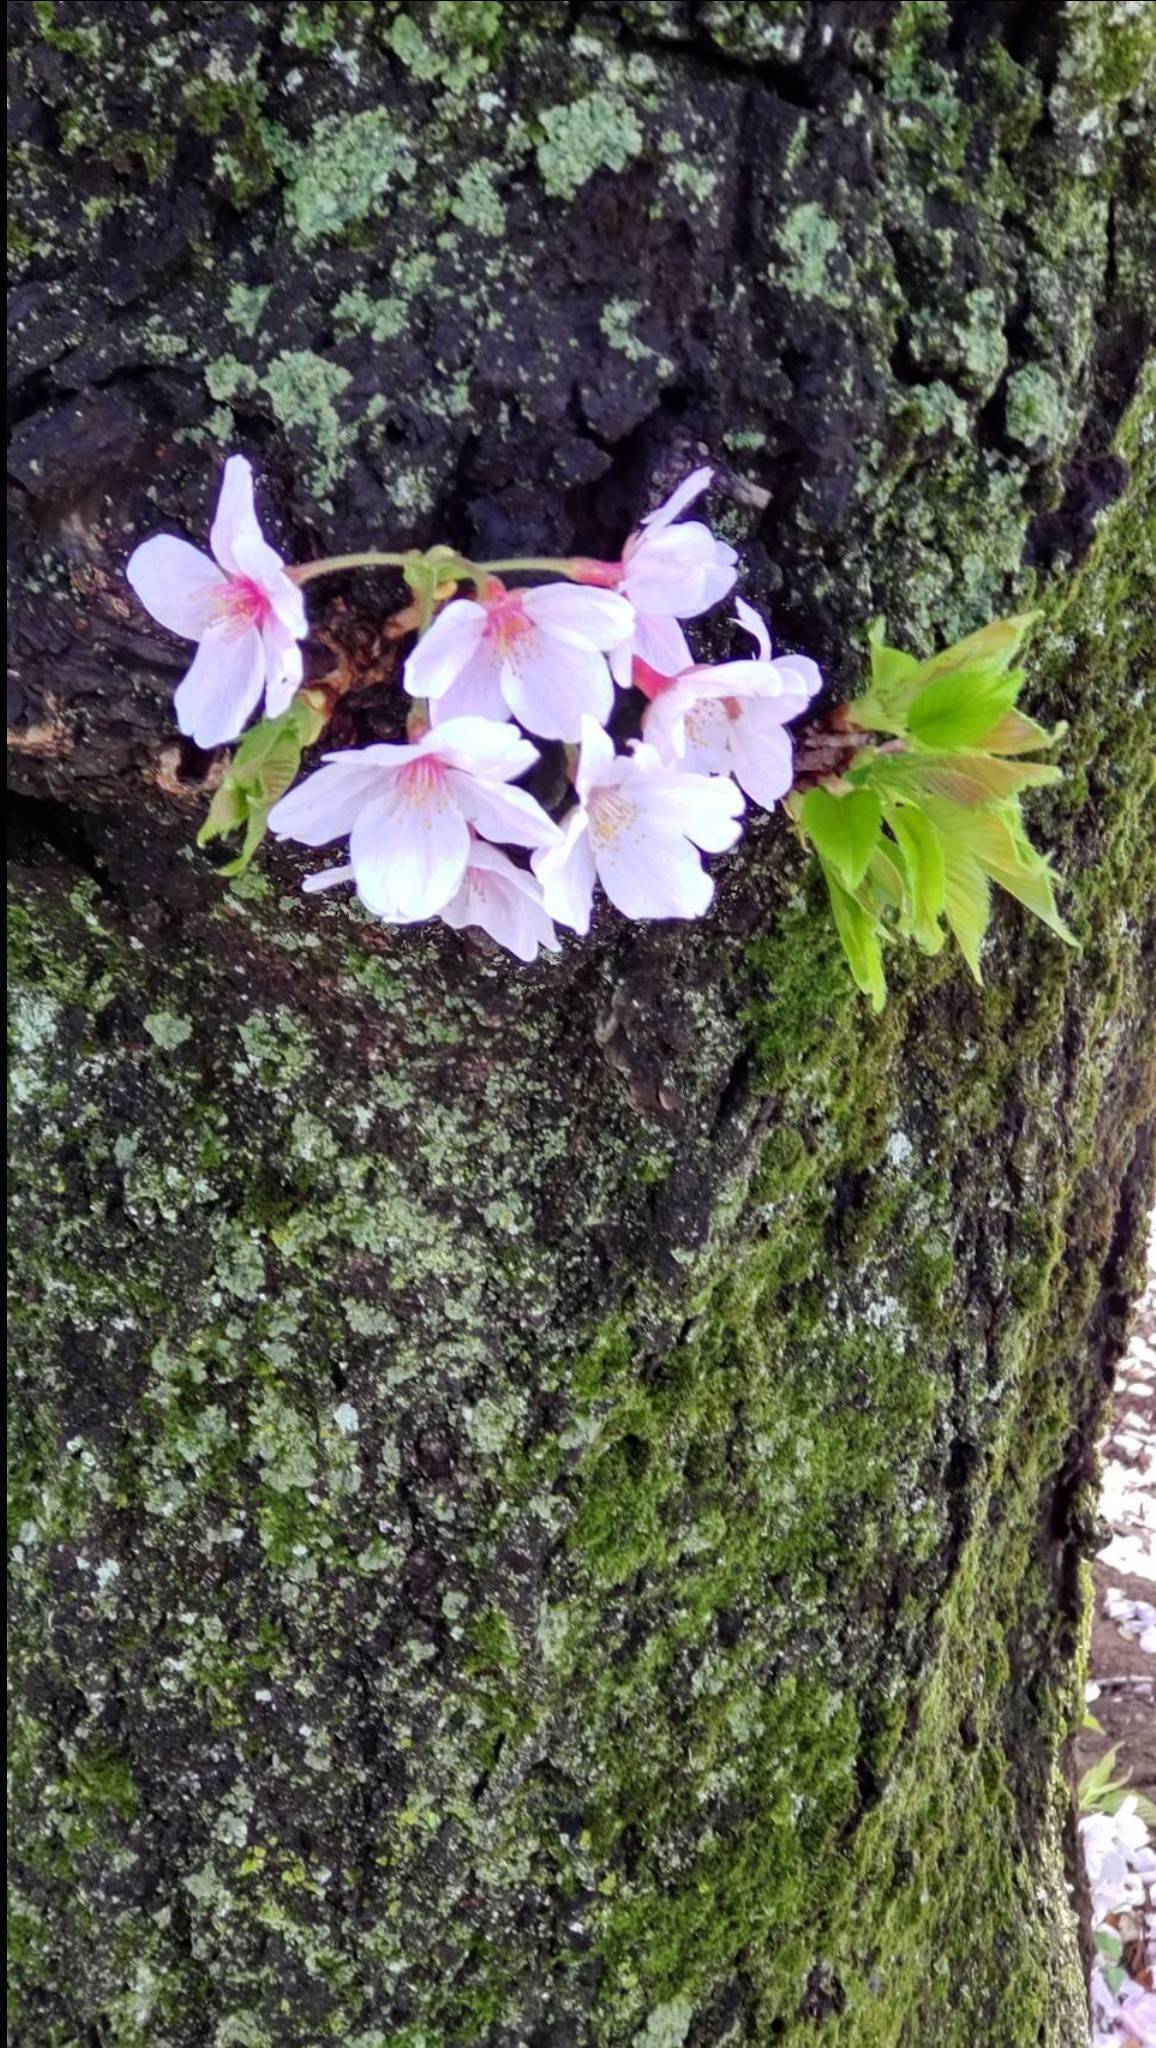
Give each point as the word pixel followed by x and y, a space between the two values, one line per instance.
pixel 428 821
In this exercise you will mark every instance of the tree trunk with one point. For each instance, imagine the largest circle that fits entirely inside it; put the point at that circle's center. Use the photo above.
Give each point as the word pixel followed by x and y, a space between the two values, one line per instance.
pixel 550 1502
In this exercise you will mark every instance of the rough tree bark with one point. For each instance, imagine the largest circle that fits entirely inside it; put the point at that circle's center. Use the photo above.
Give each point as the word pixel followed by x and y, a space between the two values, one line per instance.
pixel 550 1503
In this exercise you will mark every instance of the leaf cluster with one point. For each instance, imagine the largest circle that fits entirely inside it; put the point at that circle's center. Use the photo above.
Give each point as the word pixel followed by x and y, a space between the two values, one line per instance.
pixel 261 770
pixel 912 835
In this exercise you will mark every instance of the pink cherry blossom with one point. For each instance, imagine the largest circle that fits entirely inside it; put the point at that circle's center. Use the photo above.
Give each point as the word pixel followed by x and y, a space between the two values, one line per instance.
pixel 636 828
pixel 731 718
pixel 408 811
pixel 540 654
pixel 670 572
pixel 502 899
pixel 242 608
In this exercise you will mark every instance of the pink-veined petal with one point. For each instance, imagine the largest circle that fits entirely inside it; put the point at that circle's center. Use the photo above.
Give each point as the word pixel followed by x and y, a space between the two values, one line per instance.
pixel 447 650
pixel 762 758
pixel 501 812
pixel 177 584
pixel 551 686
pixel 326 804
pixel 566 874
pixel 222 689
pixel 753 623
pixel 684 494
pixel 579 614
pixel 480 746
pixel 653 871
pixel 259 563
pixel 409 847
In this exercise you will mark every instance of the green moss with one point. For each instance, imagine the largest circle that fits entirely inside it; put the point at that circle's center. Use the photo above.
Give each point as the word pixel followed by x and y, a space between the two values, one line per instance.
pixel 810 239
pixel 1037 413
pixel 304 391
pixel 251 149
pixel 245 307
pixel 349 165
pixel 598 131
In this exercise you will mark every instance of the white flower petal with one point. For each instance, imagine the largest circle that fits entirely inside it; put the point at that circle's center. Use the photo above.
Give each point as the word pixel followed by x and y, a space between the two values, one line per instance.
pixel 551 686
pixel 662 644
pixel 501 812
pixel 505 902
pixel 801 679
pixel 706 738
pixel 579 614
pixel 326 805
pixel 221 691
pixel 753 623
pixel 566 873
pixel 235 518
pixel 706 808
pixel 762 758
pixel 447 650
pixel 664 721
pixel 679 571
pixel 409 847
pixel 480 746
pixel 476 693
pixel 598 763
pixel 621 660
pixel 179 585
pixel 653 872
pixel 735 679
pixel 327 878
pixel 684 494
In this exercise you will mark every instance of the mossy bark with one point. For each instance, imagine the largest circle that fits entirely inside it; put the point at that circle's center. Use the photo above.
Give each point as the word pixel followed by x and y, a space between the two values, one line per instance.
pixel 550 1503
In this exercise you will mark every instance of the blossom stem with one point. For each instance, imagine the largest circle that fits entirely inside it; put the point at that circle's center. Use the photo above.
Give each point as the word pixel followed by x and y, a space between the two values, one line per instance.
pixel 527 562
pixel 328 565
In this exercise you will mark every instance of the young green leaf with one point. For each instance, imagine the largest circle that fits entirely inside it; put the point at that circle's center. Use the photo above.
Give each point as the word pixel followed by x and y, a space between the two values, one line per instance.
pixel 1015 734
pixel 859 936
pixel 845 830
pixel 923 861
pixel 966 778
pixel 996 839
pixel 966 903
pixel 261 770
pixel 894 681
pixel 988 652
pixel 898 679
pixel 958 708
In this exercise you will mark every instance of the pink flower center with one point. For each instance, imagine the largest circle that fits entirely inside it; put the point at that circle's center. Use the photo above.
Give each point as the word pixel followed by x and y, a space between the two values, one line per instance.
pixel 244 603
pixel 422 781
pixel 508 622
pixel 732 707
